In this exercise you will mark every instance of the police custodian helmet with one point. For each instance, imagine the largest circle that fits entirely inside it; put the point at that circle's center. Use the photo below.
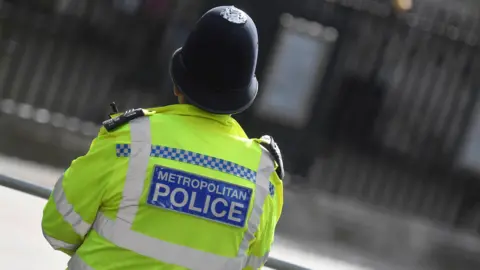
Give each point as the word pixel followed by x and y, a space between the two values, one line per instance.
pixel 215 69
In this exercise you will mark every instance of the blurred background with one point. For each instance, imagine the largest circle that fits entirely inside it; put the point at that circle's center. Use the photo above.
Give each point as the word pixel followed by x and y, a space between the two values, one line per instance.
pixel 374 103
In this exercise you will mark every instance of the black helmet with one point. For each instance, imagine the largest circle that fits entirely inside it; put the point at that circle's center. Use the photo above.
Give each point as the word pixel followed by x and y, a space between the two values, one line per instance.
pixel 215 69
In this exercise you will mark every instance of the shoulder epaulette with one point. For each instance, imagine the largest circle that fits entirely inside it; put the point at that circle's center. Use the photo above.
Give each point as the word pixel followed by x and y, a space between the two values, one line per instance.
pixel 118 121
pixel 272 147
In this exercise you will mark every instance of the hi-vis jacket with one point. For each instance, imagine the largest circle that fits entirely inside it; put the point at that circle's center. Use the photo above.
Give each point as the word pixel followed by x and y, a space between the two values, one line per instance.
pixel 176 189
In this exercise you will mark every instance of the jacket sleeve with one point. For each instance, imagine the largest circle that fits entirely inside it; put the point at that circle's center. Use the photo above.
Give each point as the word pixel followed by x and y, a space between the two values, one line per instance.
pixel 72 207
pixel 260 248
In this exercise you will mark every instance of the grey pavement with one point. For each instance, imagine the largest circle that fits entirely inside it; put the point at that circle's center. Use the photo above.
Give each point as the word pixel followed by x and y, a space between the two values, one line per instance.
pixel 22 246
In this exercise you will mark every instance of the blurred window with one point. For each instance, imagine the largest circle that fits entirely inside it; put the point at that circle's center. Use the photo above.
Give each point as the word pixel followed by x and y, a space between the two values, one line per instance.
pixel 295 71
pixel 470 155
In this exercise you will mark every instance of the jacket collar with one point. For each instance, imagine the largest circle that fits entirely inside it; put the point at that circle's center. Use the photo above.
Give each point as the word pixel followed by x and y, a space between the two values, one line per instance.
pixel 225 120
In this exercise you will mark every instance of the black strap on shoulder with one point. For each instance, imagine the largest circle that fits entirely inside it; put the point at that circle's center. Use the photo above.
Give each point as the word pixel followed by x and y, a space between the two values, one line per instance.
pixel 116 122
pixel 272 147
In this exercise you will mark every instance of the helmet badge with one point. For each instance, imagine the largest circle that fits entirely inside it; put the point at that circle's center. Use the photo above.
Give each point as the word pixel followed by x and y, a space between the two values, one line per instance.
pixel 234 15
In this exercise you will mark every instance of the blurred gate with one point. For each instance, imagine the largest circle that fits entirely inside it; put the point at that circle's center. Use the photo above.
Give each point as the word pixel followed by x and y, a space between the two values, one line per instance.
pixel 47 65
pixel 391 113
pixel 61 64
pixel 403 95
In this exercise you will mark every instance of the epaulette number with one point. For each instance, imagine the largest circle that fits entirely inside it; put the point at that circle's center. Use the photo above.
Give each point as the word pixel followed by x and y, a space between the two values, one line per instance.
pixel 116 122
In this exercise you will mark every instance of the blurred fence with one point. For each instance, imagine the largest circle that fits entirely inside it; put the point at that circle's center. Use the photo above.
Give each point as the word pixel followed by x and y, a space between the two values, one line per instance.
pixel 69 64
pixel 390 118
pixel 60 67
pixel 44 193
pixel 387 122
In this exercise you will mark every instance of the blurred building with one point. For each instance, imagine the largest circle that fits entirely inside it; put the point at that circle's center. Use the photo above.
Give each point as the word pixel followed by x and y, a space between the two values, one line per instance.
pixel 377 112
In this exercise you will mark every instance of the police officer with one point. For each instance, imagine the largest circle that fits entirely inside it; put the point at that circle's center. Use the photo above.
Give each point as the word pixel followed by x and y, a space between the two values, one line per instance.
pixel 181 186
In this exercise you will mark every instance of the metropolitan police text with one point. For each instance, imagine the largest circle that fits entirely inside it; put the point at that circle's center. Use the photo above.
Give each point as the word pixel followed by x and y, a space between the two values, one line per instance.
pixel 201 184
pixel 204 196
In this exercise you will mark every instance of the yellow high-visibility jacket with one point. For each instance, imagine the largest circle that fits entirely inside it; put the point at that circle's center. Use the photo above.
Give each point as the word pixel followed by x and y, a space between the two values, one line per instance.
pixel 179 188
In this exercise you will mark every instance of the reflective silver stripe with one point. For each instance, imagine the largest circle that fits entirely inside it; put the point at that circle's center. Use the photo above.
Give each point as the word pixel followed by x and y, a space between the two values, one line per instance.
pixel 119 231
pixel 76 263
pixel 66 210
pixel 256 262
pixel 56 244
pixel 265 169
pixel 140 148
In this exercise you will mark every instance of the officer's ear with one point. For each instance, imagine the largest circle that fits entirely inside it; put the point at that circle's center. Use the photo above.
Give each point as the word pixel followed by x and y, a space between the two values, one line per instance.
pixel 182 99
pixel 176 92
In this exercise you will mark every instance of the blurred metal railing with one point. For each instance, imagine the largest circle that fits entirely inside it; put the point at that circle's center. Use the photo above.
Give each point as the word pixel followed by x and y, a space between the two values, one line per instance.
pixel 44 193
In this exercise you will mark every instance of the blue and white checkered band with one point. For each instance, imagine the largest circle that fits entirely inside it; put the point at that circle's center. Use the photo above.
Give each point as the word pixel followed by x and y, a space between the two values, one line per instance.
pixel 204 161
pixel 124 150
pixel 234 15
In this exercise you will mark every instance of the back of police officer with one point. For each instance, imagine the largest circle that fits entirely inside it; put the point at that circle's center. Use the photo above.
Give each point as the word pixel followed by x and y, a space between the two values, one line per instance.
pixel 181 186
